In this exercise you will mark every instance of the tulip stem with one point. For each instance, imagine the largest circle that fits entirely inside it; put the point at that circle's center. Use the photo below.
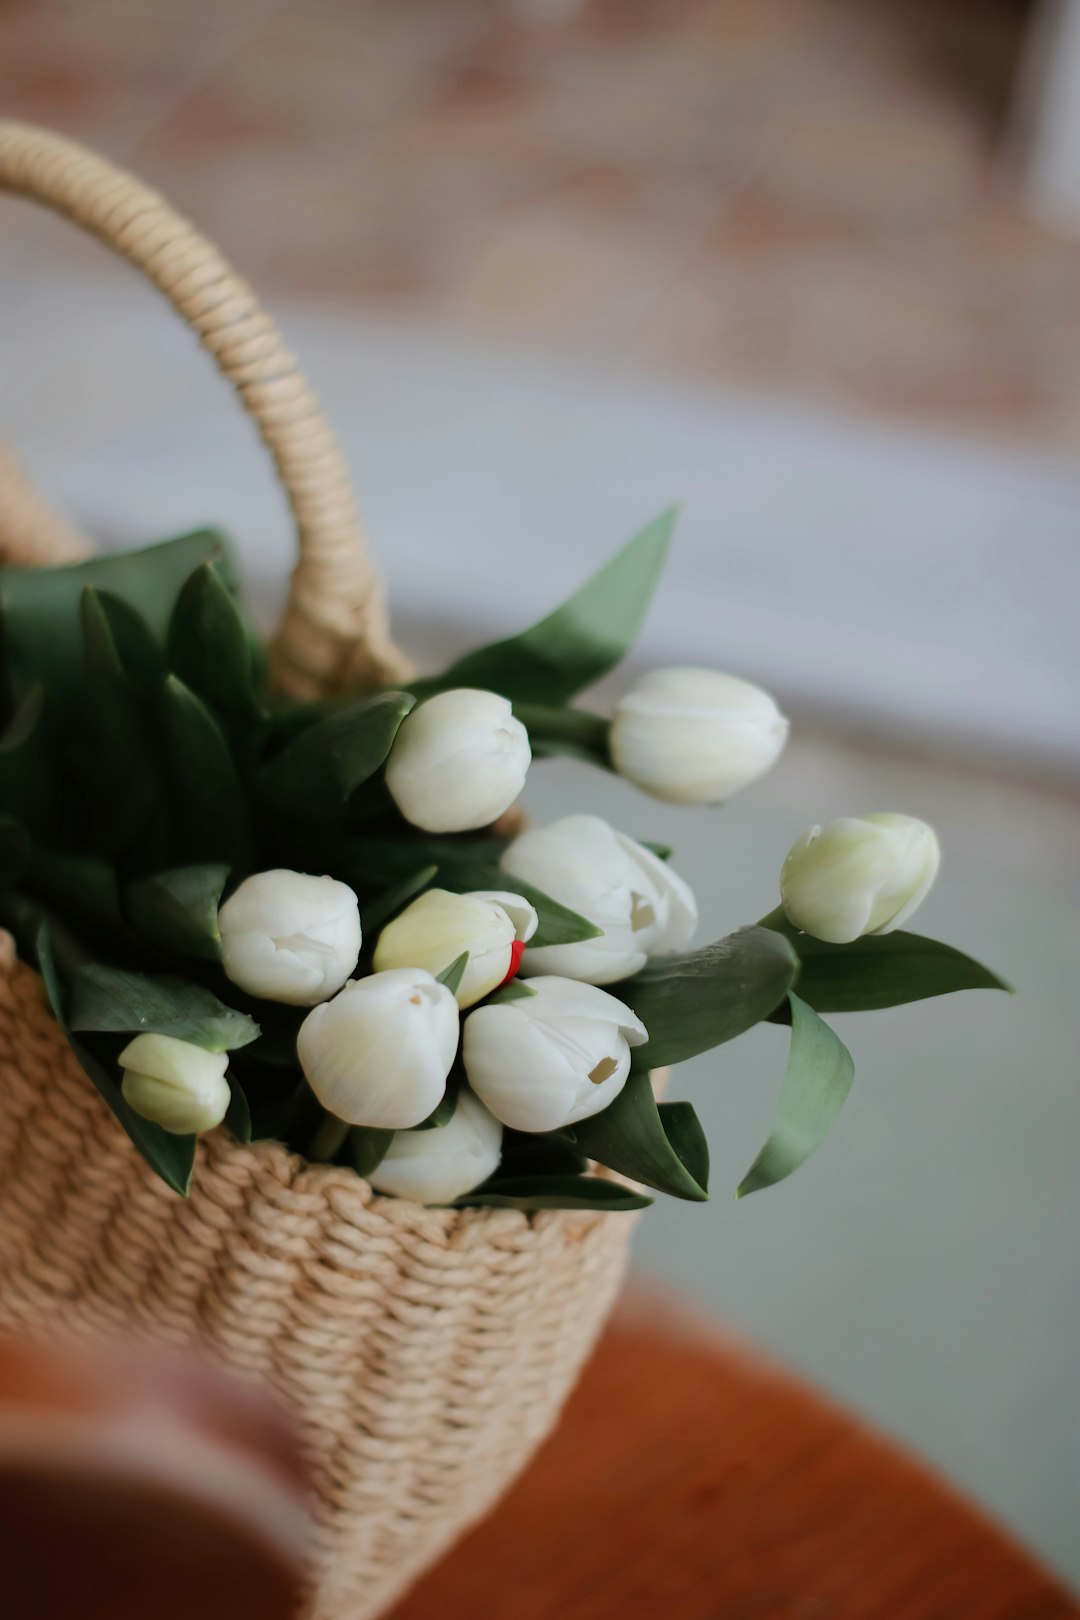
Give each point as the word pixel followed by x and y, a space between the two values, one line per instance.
pixel 565 730
pixel 328 1140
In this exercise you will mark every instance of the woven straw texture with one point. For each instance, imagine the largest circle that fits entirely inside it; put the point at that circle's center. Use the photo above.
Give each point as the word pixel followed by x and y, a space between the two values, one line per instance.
pixel 424 1353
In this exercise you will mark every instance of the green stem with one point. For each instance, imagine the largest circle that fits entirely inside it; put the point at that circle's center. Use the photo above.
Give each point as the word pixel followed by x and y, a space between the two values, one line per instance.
pixel 328 1140
pixel 588 731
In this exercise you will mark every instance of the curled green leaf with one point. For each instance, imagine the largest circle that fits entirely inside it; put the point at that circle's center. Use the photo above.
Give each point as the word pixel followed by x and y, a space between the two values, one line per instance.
pixel 818 1078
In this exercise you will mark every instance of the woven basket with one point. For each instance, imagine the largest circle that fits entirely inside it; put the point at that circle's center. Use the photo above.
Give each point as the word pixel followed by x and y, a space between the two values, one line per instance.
pixel 424 1353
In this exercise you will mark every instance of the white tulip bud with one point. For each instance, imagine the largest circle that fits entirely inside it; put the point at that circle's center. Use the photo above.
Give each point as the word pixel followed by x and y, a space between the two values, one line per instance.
pixel 380 1052
pixel 694 736
pixel 439 1165
pixel 458 761
pixel 859 875
pixel 286 936
pixel 551 1058
pixel 644 908
pixel 437 927
pixel 175 1084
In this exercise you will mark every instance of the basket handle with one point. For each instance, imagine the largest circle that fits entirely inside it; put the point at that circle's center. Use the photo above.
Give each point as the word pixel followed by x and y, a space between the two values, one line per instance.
pixel 334 633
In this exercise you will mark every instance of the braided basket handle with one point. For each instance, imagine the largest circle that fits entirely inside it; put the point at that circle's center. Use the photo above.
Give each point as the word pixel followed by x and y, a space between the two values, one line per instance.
pixel 334 633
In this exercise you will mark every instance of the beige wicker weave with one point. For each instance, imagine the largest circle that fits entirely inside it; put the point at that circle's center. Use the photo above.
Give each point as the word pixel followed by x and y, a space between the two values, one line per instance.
pixel 425 1353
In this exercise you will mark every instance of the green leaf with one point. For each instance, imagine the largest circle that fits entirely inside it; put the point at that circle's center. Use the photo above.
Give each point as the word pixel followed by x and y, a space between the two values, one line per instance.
pixel 14 851
pixel 882 970
pixel 173 1157
pixel 663 852
pixel 529 1155
pixel 579 641
pixel 553 1192
pixel 210 646
pixel 329 760
pixel 142 658
pixel 687 1136
pixel 117 1000
pixel 514 991
pixel 25 757
pixel 378 912
pixel 177 911
pixel 110 752
pixel 367 1147
pixel 84 890
pixel 238 1115
pixel 693 1002
pixel 818 1078
pixel 556 924
pixel 211 819
pixel 39 607
pixel 453 974
pixel 629 1137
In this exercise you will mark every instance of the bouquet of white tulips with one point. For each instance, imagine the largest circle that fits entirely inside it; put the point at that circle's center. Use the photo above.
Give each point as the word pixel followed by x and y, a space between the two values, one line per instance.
pixel 303 921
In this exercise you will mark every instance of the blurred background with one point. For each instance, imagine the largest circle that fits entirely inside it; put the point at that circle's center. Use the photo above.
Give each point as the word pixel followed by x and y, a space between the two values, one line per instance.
pixel 813 268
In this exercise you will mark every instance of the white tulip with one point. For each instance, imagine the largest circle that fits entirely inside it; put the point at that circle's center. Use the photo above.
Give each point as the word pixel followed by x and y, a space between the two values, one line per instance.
pixel 458 761
pixel 644 908
pixel 548 1059
pixel 437 927
pixel 380 1052
pixel 287 936
pixel 177 1085
pixel 439 1165
pixel 859 875
pixel 695 736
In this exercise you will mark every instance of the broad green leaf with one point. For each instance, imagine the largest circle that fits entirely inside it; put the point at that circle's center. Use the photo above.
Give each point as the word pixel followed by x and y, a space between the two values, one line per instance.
pixel 14 851
pixel 514 991
pixel 818 1078
pixel 177 911
pixel 39 607
pixel 687 1136
pixel 327 761
pixel 142 657
pixel 210 647
pixel 173 1157
pixel 453 974
pixel 109 752
pixel 882 970
pixel 238 1115
pixel 25 757
pixel 629 1138
pixel 693 1002
pixel 211 819
pixel 367 1147
pixel 579 641
pixel 117 1000
pixel 553 1192
pixel 528 1155
pixel 376 913
pixel 83 890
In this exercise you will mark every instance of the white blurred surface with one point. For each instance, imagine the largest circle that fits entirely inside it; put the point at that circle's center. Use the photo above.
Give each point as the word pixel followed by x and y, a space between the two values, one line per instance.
pixel 906 580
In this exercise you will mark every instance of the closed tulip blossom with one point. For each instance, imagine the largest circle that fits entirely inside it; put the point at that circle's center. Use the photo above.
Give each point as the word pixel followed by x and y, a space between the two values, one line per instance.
pixel 175 1084
pixel 549 1059
pixel 380 1052
pixel 695 736
pixel 439 1165
pixel 643 907
pixel 458 761
pixel 859 875
pixel 287 936
pixel 436 928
